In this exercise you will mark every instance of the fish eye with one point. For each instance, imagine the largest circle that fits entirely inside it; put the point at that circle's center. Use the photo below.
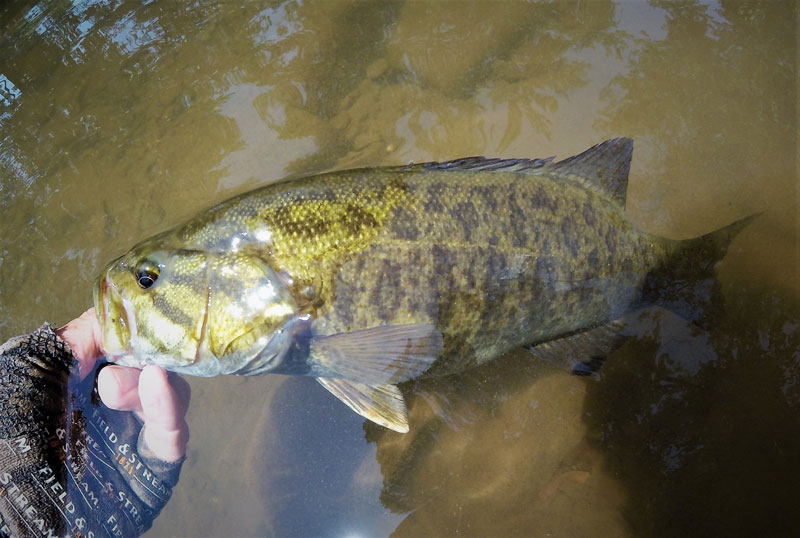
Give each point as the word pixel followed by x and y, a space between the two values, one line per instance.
pixel 146 273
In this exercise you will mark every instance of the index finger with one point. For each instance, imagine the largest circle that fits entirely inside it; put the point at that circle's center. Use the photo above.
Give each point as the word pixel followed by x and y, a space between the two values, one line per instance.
pixel 84 338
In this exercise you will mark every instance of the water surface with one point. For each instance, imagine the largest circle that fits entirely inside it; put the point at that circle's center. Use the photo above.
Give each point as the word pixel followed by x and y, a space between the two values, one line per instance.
pixel 121 118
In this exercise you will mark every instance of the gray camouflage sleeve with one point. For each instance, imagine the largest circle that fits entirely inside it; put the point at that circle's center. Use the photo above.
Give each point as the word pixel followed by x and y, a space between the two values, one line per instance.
pixel 70 466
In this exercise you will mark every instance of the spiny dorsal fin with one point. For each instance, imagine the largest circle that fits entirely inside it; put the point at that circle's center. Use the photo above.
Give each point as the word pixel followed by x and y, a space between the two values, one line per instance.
pixel 382 404
pixel 604 166
pixel 482 164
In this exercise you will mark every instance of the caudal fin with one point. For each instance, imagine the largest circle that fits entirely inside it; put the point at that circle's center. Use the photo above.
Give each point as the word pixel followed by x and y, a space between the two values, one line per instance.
pixel 685 283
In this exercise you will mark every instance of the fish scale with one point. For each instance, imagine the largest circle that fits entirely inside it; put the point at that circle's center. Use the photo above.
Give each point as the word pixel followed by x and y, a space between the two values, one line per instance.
pixel 458 258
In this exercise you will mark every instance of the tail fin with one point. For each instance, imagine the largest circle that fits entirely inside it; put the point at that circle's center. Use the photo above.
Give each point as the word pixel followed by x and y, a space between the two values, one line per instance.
pixel 685 283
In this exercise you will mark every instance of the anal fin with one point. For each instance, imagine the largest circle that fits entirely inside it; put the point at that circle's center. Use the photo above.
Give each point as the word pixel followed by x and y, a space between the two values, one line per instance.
pixel 582 353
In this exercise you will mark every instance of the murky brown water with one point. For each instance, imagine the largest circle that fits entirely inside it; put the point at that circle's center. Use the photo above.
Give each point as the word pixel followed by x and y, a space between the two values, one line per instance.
pixel 119 119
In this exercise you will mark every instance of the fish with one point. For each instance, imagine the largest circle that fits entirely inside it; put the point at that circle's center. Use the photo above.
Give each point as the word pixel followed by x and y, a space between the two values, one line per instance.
pixel 367 278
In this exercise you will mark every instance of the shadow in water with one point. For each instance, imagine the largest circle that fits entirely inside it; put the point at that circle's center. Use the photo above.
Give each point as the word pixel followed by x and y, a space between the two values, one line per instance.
pixel 686 432
pixel 702 428
pixel 319 477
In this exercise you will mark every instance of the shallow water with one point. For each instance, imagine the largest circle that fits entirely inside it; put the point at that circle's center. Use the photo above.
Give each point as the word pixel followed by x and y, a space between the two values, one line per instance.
pixel 120 119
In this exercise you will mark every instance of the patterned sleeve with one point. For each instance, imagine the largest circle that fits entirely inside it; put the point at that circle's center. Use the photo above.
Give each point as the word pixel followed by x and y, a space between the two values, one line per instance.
pixel 69 466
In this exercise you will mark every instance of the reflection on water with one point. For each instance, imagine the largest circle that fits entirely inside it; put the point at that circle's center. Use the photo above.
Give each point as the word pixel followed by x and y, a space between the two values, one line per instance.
pixel 121 118
pixel 702 428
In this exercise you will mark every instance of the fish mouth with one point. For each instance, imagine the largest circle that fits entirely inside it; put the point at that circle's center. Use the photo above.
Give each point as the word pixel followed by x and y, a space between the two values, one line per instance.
pixel 117 325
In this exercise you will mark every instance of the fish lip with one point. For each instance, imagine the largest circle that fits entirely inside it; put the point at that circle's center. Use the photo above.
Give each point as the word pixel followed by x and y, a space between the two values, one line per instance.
pixel 100 305
pixel 106 295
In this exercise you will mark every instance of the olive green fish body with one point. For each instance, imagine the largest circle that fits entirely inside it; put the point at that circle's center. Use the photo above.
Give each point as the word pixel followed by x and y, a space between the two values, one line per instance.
pixel 493 260
pixel 365 278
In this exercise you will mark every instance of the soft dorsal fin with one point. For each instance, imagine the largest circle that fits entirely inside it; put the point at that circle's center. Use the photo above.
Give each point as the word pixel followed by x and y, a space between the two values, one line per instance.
pixel 604 166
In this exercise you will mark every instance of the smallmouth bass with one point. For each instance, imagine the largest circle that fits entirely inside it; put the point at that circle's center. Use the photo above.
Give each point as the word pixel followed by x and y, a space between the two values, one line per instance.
pixel 367 278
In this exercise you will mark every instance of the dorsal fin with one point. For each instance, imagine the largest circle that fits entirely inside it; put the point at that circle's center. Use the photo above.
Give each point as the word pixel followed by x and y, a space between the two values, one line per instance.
pixel 480 163
pixel 604 166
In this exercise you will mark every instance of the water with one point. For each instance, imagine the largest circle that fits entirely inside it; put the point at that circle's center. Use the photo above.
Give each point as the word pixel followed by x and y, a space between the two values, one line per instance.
pixel 119 119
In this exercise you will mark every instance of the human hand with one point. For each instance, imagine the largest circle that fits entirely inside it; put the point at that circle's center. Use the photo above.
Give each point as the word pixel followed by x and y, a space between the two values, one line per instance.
pixel 158 398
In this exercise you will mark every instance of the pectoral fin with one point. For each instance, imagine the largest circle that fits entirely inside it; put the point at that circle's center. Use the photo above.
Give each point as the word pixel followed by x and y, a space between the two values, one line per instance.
pixel 384 355
pixel 583 353
pixel 382 404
